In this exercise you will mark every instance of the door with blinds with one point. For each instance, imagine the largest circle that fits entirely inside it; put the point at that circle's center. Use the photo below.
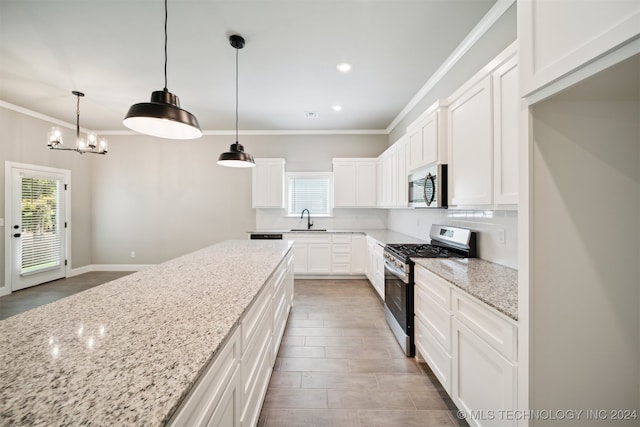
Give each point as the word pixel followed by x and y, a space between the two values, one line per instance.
pixel 38 225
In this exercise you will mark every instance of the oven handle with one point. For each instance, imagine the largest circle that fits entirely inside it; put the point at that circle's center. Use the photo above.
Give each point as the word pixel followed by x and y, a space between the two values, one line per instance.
pixel 396 271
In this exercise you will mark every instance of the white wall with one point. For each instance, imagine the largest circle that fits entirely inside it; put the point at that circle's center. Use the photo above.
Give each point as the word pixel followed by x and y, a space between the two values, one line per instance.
pixel 417 222
pixel 585 286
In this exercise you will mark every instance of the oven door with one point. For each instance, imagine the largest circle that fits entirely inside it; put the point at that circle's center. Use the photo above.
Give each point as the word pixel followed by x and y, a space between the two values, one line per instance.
pixel 398 298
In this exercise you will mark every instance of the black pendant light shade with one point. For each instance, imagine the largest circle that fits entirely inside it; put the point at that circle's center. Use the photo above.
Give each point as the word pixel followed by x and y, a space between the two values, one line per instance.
pixel 163 117
pixel 236 157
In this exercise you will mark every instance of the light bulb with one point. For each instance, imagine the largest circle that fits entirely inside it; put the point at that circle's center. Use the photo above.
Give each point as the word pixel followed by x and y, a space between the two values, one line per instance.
pixel 54 137
pixel 92 138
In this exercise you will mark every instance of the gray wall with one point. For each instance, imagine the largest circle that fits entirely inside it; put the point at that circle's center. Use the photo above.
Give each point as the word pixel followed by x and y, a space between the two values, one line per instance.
pixel 23 140
pixel 161 198
pixel 585 292
pixel 494 41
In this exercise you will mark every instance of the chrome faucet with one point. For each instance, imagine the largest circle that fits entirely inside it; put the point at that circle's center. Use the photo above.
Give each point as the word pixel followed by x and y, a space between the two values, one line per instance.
pixel 309 223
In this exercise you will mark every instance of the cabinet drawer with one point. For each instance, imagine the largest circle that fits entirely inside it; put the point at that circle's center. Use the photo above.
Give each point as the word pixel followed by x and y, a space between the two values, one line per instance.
pixel 488 324
pixel 343 248
pixel 341 268
pixel 438 359
pixel 341 238
pixel 209 394
pixel 257 348
pixel 434 317
pixel 341 258
pixel 309 237
pixel 251 320
pixel 436 287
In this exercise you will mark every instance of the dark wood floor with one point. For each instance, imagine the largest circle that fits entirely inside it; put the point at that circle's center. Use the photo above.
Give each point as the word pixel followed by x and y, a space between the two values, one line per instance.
pixel 338 364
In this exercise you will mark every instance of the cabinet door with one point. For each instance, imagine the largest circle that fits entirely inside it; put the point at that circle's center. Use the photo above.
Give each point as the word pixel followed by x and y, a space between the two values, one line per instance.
pixel 471 146
pixel 319 258
pixel 401 194
pixel 300 257
pixel 344 184
pixel 430 139
pixel 483 380
pixel 365 190
pixel 416 158
pixel 559 37
pixel 506 111
pixel 268 183
pixel 358 254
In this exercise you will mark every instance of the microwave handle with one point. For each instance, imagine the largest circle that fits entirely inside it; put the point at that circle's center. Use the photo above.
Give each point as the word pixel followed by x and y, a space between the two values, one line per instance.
pixel 431 178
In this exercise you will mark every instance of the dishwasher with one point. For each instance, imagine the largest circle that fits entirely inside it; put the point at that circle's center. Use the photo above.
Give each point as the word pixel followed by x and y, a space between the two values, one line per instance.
pixel 266 236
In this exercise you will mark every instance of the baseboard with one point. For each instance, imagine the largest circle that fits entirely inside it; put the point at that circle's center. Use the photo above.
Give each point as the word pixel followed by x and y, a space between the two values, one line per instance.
pixel 107 267
pixel 329 276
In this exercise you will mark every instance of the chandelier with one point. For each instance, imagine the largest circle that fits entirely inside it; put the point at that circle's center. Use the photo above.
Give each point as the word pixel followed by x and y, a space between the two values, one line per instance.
pixel 90 144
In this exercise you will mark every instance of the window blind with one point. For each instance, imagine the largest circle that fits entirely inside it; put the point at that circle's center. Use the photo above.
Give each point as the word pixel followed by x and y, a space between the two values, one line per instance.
pixel 41 236
pixel 311 193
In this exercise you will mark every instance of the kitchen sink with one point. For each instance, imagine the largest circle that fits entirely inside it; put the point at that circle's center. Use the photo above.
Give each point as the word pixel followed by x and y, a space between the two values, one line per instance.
pixel 306 229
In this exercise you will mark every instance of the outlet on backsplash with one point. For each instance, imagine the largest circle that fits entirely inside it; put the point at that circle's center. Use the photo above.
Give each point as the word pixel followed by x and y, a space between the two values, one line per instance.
pixel 501 236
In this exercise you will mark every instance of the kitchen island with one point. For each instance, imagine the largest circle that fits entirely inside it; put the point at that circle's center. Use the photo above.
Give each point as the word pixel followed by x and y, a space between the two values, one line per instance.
pixel 131 351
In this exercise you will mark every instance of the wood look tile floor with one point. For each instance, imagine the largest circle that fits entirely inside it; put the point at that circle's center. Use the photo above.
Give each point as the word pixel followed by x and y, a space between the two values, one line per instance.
pixel 340 365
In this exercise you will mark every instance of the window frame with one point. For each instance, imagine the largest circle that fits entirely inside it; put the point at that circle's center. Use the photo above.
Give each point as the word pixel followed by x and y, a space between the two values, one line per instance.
pixel 323 175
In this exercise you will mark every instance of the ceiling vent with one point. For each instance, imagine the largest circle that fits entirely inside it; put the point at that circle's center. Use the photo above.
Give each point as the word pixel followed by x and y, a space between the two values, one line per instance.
pixel 311 114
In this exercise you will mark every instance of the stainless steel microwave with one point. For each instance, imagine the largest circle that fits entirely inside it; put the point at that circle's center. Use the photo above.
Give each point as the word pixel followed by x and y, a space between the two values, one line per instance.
pixel 428 187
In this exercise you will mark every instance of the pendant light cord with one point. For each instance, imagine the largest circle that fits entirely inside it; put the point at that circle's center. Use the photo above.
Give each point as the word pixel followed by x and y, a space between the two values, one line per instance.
pixel 166 15
pixel 237 95
pixel 78 117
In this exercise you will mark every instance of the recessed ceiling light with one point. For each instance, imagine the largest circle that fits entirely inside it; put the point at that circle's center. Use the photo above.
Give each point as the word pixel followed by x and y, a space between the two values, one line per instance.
pixel 311 114
pixel 337 107
pixel 344 67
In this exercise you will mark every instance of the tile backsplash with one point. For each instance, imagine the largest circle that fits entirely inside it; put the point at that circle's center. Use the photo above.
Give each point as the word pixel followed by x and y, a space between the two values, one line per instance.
pixel 497 231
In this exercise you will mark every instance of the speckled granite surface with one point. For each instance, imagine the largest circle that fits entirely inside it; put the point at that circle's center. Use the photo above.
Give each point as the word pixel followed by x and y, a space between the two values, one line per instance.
pixel 492 283
pixel 127 352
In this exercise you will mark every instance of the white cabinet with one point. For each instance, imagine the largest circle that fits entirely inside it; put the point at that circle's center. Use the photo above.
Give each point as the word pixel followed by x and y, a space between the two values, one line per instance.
pixel 558 38
pixel 375 265
pixel 341 253
pixel 312 252
pixel 354 182
pixel 469 346
pixel 392 170
pixel 358 254
pixel 483 380
pixel 267 179
pixel 506 110
pixel 483 136
pixel 428 137
pixel 432 307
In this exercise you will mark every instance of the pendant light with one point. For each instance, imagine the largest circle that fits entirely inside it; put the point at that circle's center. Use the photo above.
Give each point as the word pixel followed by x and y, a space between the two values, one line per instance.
pixel 236 157
pixel 162 116
pixel 90 144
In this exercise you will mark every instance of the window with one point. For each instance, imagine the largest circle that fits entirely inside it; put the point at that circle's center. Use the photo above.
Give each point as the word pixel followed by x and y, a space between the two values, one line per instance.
pixel 309 190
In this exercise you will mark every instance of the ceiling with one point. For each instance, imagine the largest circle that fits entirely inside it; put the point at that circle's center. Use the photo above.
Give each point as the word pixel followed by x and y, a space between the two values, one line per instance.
pixel 113 51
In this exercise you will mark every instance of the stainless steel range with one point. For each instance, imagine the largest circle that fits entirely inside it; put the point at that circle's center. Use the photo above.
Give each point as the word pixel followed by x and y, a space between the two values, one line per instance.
pixel 446 242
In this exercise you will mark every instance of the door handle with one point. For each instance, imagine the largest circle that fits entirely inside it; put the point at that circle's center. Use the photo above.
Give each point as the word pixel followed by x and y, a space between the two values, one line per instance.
pixel 16 235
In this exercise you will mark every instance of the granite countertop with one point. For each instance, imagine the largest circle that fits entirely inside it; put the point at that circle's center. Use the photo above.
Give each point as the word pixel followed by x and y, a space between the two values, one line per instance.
pixel 129 351
pixel 491 283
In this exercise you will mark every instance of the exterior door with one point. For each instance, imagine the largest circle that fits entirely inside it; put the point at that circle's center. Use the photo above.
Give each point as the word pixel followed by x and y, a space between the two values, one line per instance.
pixel 37 226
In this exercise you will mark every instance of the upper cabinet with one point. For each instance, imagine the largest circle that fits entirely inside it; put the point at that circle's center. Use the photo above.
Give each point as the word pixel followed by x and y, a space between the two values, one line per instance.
pixel 268 183
pixel 392 175
pixel 354 183
pixel 483 136
pixel 558 38
pixel 428 137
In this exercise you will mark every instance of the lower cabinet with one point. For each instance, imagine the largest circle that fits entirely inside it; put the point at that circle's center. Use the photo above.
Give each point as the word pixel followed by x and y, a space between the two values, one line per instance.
pixel 319 254
pixel 484 381
pixel 375 266
pixel 469 346
pixel 231 390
